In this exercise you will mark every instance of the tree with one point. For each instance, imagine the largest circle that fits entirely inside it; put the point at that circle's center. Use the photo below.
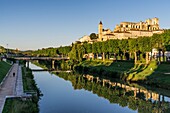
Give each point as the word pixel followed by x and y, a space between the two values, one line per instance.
pixel 133 47
pixel 63 50
pixel 80 51
pixel 73 53
pixel 144 44
pixel 123 45
pixel 77 52
pixel 115 46
pixel 165 42
pixel 93 36
pixel 104 49
pixel 94 48
pixel 88 47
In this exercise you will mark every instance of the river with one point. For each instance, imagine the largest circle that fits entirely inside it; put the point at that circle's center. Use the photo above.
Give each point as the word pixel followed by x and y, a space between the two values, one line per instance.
pixel 67 94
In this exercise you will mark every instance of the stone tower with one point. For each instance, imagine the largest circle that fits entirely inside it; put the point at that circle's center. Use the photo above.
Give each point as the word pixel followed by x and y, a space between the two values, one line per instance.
pixel 100 30
pixel 155 21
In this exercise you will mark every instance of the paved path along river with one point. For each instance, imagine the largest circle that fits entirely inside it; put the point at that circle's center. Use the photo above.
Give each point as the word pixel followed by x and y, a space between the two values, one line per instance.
pixel 12 85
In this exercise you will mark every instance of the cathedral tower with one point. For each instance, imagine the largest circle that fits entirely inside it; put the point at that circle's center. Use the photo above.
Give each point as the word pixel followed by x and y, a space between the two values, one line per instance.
pixel 100 30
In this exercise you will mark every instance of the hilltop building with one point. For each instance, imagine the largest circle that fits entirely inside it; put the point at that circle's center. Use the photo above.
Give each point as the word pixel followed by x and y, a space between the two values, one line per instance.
pixel 85 39
pixel 127 30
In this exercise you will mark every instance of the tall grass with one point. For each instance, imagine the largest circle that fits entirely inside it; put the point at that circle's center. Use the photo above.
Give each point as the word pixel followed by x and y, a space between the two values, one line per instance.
pixel 18 105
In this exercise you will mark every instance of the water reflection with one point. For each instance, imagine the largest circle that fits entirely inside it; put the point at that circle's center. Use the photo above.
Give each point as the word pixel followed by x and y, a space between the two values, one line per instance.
pixel 142 100
pixel 96 95
pixel 59 96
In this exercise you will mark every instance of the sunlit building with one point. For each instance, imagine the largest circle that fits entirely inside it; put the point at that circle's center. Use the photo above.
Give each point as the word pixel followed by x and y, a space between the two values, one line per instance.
pixel 126 30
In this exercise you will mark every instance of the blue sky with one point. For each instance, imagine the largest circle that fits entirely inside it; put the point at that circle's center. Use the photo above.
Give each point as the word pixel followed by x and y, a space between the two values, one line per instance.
pixel 34 24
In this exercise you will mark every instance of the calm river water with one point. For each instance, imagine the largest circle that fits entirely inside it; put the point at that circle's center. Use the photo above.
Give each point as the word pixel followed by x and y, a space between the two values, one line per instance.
pixel 71 94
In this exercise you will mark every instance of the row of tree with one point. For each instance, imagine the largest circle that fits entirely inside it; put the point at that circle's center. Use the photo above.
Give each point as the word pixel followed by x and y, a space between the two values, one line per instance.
pixel 136 49
pixel 51 52
pixel 127 48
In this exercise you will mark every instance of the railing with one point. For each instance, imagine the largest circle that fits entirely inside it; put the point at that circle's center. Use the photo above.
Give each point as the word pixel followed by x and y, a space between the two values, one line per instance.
pixel 40 58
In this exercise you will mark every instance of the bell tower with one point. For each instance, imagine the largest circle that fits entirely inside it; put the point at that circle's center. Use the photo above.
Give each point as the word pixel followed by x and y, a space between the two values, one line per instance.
pixel 100 31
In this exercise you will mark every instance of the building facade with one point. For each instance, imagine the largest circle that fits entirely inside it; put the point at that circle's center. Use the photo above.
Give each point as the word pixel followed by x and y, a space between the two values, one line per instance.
pixel 85 39
pixel 127 30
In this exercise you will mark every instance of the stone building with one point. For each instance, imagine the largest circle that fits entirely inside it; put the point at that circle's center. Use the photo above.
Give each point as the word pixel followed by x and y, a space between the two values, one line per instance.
pixel 85 39
pixel 127 30
pixel 148 25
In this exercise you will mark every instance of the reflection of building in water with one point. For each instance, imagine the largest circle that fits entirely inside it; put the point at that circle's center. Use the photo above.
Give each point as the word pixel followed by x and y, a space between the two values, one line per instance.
pixel 148 94
pixel 121 94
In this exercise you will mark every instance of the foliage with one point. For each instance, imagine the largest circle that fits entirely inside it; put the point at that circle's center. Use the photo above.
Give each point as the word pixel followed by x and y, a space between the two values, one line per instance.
pixel 18 105
pixel 123 48
pixel 44 52
pixel 77 52
pixel 152 74
pixel 28 80
pixel 93 36
pixel 63 50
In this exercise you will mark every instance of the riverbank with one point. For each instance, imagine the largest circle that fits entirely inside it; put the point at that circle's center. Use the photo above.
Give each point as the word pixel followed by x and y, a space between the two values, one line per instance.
pixel 27 104
pixel 153 74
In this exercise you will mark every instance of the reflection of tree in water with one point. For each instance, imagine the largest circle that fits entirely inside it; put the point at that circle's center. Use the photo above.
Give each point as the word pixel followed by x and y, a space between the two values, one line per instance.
pixel 118 95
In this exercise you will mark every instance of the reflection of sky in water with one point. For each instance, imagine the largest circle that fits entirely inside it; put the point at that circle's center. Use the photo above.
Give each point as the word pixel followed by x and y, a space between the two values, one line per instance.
pixel 167 99
pixel 60 97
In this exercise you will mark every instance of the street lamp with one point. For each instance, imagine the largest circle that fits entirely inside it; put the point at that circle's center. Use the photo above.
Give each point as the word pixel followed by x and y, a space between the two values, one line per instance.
pixel 7 49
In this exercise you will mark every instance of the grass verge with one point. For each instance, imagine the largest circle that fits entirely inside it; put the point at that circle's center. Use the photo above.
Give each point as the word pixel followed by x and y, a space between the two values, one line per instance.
pixel 4 68
pixel 19 105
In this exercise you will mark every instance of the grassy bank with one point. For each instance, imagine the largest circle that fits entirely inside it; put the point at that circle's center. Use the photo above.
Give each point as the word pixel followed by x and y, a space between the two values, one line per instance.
pixel 4 68
pixel 18 105
pixel 152 74
pixel 29 84
pixel 26 105
pixel 160 77
pixel 108 68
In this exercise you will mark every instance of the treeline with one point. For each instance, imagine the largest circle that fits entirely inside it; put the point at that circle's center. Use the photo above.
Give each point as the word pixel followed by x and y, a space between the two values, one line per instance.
pixel 4 51
pixel 51 52
pixel 137 49
pixel 126 49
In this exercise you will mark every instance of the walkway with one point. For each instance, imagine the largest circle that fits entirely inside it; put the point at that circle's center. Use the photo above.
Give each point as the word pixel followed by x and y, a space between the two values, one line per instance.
pixel 9 87
pixel 19 84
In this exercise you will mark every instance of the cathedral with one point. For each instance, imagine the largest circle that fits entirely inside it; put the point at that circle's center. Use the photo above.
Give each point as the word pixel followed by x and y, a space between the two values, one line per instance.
pixel 127 30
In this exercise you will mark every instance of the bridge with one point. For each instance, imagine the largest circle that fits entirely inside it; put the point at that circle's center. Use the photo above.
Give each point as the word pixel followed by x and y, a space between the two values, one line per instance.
pixel 39 58
pixel 52 70
pixel 29 58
